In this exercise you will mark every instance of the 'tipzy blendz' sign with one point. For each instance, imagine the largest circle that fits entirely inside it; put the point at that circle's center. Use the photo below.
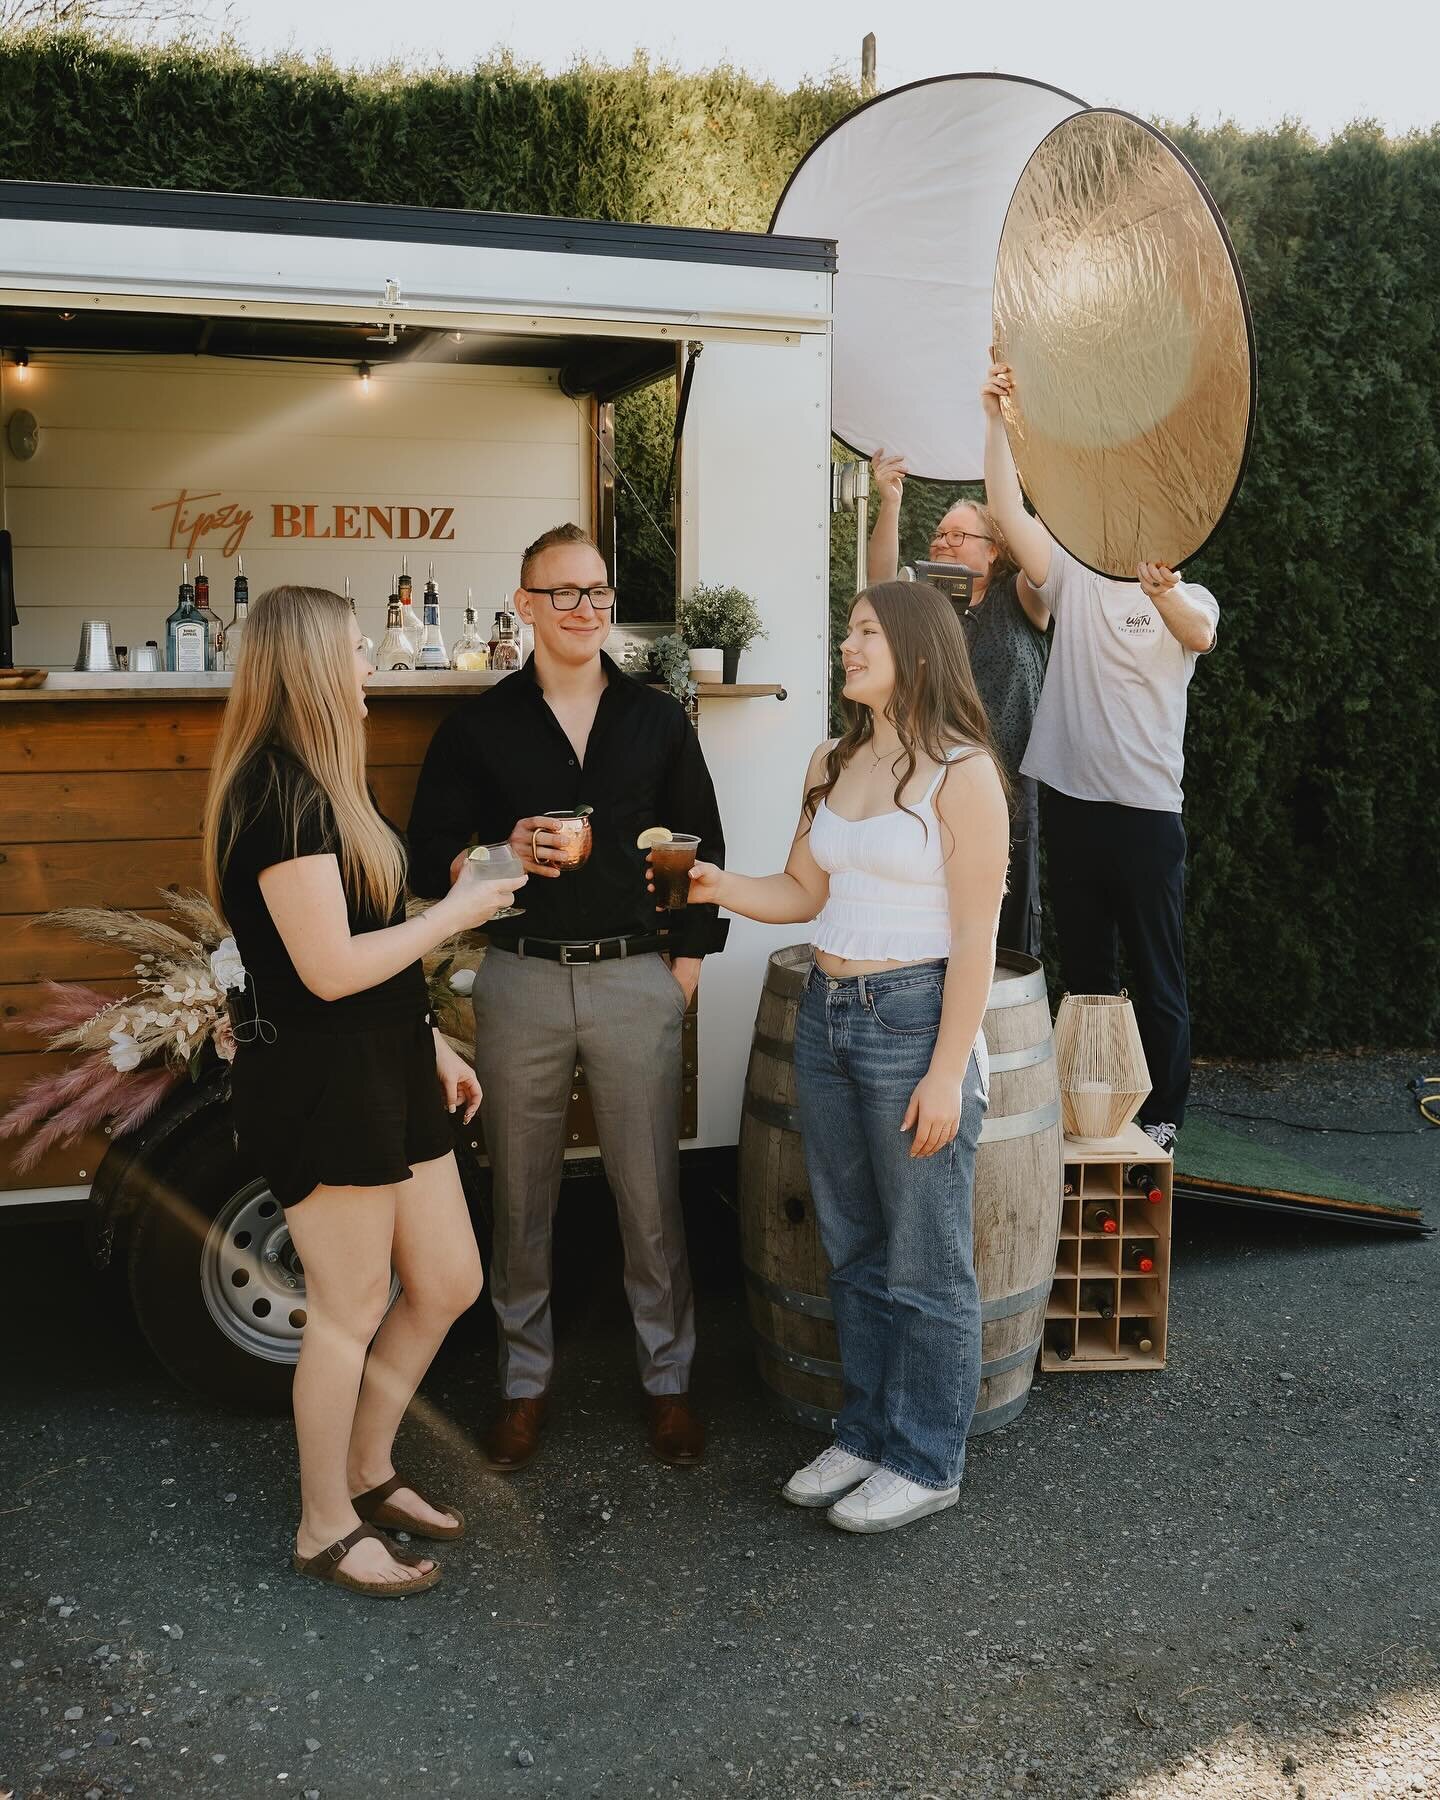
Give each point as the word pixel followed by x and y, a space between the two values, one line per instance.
pixel 197 517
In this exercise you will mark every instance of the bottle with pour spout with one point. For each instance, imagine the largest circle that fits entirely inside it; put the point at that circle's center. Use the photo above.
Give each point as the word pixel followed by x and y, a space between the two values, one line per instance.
pixel 432 645
pixel 365 638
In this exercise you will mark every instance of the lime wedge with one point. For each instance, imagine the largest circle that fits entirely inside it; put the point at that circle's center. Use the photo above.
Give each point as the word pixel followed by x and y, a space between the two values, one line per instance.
pixel 653 835
pixel 480 854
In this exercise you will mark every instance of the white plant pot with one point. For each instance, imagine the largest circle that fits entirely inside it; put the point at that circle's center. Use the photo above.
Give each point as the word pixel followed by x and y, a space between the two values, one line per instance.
pixel 707 665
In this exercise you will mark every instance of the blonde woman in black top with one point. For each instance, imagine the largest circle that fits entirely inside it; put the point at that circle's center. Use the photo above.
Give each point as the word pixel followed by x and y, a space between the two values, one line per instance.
pixel 341 1085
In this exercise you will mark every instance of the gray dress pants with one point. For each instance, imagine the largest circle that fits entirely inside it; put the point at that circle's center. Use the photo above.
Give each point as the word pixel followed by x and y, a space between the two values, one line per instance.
pixel 533 1021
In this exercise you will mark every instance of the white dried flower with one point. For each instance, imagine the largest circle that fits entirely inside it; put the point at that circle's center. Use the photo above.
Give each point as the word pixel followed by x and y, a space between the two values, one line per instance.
pixel 124 1053
pixel 226 966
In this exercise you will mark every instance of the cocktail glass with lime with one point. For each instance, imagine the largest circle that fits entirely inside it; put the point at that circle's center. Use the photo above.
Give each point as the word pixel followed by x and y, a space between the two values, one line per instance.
pixel 497 862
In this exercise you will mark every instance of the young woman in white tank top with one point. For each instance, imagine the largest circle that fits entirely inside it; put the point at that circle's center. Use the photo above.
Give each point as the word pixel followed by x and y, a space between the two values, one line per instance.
pixel 899 858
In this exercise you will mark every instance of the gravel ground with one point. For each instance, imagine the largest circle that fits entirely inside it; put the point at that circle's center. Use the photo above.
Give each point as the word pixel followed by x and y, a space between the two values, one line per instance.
pixel 1218 1581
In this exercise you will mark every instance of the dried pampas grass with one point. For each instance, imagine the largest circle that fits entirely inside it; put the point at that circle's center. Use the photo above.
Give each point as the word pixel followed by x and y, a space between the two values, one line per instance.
pixel 134 1051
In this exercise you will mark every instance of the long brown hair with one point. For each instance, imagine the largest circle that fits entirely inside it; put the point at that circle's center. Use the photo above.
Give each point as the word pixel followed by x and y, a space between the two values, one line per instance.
pixel 295 689
pixel 935 706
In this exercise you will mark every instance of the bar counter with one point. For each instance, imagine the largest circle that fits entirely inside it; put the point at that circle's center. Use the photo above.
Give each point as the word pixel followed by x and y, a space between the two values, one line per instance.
pixel 102 788
pixel 70 685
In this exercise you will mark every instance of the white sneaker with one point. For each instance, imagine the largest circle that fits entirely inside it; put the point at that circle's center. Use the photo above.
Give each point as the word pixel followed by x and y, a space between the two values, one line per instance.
pixel 833 1473
pixel 887 1500
pixel 1162 1135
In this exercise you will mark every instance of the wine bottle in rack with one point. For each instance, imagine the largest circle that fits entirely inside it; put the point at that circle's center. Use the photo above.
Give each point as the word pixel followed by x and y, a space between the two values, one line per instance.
pixel 1140 1256
pixel 1099 1215
pixel 1097 1297
pixel 1138 1335
pixel 1142 1176
pixel 1060 1339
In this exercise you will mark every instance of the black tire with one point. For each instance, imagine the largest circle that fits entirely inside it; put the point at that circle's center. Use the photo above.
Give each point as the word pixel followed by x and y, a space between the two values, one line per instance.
pixel 187 1182
pixel 214 1283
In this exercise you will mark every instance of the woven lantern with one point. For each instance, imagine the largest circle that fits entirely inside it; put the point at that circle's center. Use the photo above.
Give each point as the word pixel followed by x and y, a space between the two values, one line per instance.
pixel 1102 1067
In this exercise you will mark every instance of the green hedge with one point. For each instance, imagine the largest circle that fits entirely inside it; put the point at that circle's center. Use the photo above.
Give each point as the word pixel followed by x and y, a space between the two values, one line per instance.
pixel 1315 875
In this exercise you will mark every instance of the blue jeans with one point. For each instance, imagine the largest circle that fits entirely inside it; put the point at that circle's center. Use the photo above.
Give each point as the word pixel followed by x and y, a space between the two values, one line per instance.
pixel 897 1229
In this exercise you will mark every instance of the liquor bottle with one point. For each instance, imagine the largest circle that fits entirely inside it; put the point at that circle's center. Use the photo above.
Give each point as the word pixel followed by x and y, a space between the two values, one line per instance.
pixel 471 650
pixel 1097 1297
pixel 432 645
pixel 1099 1216
pixel 506 654
pixel 235 630
pixel 187 637
pixel 495 635
pixel 1140 1254
pixel 1137 1334
pixel 365 637
pixel 396 651
pixel 212 620
pixel 1060 1339
pixel 410 621
pixel 1140 1175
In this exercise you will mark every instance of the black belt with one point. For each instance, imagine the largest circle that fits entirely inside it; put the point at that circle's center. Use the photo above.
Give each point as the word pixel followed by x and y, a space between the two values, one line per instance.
pixel 593 950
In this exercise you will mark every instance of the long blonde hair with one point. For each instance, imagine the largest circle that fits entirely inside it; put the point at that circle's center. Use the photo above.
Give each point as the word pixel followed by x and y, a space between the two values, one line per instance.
pixel 295 689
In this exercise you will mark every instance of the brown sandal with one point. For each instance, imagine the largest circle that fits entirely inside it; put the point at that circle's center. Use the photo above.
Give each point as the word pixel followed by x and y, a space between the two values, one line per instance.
pixel 326 1567
pixel 373 1508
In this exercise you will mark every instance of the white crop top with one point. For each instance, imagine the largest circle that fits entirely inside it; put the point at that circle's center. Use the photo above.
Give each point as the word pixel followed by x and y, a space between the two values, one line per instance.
pixel 888 901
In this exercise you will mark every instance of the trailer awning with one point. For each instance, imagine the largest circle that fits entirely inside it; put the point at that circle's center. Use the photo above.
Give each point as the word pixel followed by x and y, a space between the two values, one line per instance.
pixel 605 367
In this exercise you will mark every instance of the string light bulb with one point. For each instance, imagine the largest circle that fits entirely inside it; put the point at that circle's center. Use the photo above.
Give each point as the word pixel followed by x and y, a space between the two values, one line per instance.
pixel 364 378
pixel 22 365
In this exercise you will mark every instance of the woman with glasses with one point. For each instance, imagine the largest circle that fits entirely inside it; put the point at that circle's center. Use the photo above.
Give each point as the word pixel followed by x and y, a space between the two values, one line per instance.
pixel 584 975
pixel 1005 632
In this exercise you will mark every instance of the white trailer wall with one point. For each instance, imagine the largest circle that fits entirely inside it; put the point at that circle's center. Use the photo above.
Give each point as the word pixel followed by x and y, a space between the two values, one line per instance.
pixel 755 491
pixel 123 436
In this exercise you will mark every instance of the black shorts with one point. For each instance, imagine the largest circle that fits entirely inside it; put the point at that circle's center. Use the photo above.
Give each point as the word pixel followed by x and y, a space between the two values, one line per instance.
pixel 352 1109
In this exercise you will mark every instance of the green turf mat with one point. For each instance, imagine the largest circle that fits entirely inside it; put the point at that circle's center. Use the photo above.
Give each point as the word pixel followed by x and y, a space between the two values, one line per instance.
pixel 1208 1156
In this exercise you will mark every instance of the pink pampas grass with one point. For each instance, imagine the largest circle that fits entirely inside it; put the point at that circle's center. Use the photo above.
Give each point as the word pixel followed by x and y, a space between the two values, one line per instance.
pixel 83 1099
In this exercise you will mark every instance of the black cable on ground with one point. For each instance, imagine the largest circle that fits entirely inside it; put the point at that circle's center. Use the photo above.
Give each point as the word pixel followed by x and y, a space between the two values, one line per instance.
pixel 1429 1104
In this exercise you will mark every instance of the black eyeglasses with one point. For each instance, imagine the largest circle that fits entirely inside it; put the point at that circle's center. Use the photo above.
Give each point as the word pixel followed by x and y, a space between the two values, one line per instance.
pixel 566 599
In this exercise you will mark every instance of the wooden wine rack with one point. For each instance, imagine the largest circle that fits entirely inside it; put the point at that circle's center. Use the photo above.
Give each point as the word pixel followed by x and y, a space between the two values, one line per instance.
pixel 1084 1256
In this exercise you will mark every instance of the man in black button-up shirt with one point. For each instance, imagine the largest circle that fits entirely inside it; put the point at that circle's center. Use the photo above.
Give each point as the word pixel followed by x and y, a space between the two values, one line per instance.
pixel 572 729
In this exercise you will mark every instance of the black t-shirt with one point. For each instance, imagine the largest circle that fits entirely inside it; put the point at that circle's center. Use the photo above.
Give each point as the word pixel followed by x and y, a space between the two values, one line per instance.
pixel 1008 656
pixel 262 798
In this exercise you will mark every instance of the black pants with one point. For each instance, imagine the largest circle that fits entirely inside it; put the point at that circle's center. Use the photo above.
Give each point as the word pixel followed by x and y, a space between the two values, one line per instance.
pixel 1119 872
pixel 1020 909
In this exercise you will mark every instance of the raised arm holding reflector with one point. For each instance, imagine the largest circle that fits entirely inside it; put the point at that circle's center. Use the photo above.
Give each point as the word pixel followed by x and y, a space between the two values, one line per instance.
pixel 1121 309
pixel 914 187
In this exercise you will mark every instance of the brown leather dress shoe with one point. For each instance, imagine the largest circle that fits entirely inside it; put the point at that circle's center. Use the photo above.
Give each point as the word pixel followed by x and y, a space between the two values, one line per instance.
pixel 515 1436
pixel 676 1435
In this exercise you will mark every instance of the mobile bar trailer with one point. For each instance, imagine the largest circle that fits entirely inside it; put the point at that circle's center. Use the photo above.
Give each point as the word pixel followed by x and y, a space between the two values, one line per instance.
pixel 322 387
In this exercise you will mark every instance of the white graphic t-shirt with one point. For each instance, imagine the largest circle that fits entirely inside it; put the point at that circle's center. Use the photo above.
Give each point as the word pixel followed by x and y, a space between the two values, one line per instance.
pixel 1111 720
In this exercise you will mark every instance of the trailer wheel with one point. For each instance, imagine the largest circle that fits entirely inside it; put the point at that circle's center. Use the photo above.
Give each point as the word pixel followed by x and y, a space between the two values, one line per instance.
pixel 215 1283
pixel 214 1280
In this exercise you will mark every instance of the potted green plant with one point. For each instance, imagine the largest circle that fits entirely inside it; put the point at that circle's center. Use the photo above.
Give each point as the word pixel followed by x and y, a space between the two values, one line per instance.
pixel 664 660
pixel 720 618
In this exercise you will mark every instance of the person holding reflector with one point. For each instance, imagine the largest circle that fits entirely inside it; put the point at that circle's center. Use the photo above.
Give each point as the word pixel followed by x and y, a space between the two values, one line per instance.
pixel 1108 752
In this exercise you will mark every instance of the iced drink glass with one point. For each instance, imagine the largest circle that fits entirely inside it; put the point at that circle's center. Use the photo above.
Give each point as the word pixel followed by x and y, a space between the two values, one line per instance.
pixel 497 862
pixel 671 864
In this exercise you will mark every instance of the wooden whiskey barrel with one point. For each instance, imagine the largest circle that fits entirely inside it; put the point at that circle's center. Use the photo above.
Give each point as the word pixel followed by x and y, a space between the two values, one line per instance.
pixel 1017 1201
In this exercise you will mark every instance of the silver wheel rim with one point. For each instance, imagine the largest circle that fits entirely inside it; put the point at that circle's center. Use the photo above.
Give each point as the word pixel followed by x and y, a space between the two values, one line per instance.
pixel 252 1279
